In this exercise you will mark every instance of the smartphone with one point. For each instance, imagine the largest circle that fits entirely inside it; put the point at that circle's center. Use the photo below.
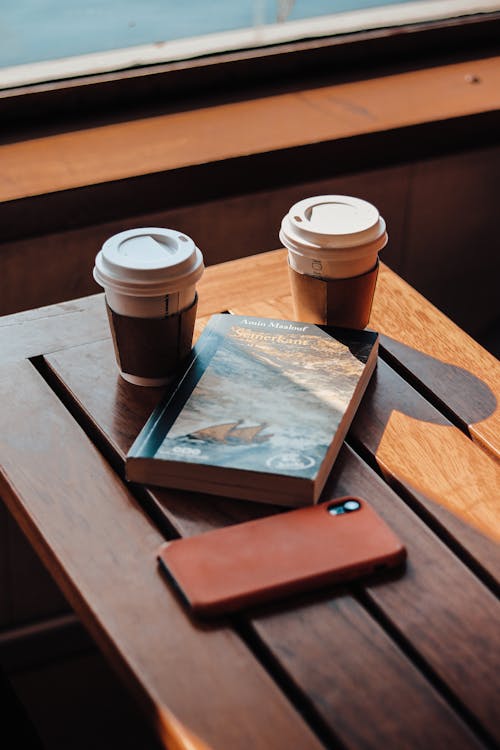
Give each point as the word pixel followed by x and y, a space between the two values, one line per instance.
pixel 259 561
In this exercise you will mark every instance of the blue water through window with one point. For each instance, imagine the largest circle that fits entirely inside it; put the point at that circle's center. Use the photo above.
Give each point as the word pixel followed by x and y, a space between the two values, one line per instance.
pixel 36 30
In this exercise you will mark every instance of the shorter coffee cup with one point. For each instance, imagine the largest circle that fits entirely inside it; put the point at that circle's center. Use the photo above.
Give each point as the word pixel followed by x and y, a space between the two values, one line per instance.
pixel 333 243
pixel 149 278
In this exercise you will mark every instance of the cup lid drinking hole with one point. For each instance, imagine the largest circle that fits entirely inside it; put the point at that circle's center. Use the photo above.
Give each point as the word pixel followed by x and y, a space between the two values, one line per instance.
pixel 148 262
pixel 332 222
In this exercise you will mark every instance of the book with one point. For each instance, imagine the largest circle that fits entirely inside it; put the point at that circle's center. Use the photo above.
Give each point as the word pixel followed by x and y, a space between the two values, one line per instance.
pixel 260 411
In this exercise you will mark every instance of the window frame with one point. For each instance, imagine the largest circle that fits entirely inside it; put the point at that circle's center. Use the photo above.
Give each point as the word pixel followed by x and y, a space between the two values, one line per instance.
pixel 345 57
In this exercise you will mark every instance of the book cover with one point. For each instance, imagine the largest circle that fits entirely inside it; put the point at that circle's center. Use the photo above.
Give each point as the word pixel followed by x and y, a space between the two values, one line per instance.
pixel 260 412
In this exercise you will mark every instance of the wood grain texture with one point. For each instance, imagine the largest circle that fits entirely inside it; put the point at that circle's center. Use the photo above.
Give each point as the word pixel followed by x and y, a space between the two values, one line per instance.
pixel 416 445
pixel 100 547
pixel 213 133
pixel 356 678
pixel 431 605
pixel 434 351
pixel 440 356
pixel 435 581
pixel 35 332
pixel 244 281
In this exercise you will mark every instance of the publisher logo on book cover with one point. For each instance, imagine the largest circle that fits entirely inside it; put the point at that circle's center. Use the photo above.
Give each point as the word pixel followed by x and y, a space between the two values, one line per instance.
pixel 290 461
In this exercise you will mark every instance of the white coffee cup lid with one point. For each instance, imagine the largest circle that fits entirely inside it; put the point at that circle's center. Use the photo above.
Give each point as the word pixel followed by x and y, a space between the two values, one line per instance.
pixel 148 262
pixel 332 222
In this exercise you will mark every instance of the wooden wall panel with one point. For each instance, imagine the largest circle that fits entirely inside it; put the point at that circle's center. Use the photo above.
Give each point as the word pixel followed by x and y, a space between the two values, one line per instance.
pixel 451 236
pixel 78 703
pixel 4 567
pixel 57 267
pixel 27 592
pixel 34 595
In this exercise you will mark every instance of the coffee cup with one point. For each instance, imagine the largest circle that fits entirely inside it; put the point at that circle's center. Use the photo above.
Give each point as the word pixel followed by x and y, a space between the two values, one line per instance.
pixel 333 243
pixel 149 278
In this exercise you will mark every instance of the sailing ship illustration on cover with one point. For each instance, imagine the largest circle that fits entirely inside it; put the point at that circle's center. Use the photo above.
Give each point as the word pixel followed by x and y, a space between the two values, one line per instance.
pixel 231 433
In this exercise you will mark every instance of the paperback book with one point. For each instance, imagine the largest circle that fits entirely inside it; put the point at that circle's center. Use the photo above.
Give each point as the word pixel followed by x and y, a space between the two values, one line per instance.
pixel 260 411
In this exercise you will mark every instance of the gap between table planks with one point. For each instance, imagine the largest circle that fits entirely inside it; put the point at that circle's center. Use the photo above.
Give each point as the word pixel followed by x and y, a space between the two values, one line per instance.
pixel 99 546
pixel 462 606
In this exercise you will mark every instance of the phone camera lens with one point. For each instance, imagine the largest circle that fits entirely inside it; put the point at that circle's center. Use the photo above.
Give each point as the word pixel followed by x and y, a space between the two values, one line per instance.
pixel 348 507
pixel 351 505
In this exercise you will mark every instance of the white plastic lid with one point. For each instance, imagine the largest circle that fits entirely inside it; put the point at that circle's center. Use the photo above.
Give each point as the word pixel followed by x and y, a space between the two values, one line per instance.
pixel 332 222
pixel 147 262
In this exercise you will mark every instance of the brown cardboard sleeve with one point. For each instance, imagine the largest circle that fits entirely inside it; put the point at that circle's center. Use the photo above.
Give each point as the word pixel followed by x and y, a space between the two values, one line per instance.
pixel 152 347
pixel 337 302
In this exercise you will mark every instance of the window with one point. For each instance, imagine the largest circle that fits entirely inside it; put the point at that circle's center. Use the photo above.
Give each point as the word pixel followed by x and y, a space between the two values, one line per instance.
pixel 48 40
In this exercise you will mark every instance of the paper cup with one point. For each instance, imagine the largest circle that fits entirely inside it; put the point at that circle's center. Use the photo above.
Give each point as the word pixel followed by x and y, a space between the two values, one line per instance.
pixel 149 278
pixel 333 243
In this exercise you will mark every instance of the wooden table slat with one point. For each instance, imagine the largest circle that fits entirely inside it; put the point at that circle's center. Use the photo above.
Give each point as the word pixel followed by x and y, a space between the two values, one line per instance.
pixel 101 548
pixel 440 356
pixel 417 449
pixel 434 574
pixel 357 679
pixel 36 332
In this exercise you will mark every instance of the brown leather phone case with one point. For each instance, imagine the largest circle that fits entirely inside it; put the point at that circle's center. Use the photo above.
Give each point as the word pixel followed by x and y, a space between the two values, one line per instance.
pixel 238 566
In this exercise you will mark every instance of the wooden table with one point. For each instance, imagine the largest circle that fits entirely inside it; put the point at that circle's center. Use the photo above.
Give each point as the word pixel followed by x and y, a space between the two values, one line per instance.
pixel 407 662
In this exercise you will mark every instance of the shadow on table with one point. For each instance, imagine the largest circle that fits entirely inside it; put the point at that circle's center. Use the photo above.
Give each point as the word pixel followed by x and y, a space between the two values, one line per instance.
pixel 448 479
pixel 457 391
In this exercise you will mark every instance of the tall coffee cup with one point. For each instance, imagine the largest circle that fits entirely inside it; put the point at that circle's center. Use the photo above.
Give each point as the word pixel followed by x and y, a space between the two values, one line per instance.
pixel 333 243
pixel 149 278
